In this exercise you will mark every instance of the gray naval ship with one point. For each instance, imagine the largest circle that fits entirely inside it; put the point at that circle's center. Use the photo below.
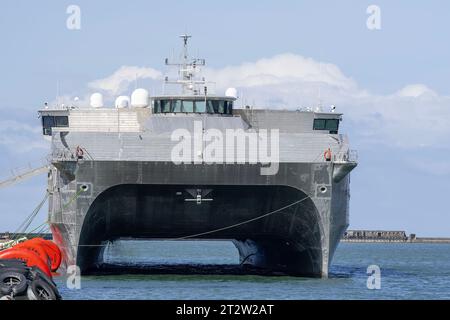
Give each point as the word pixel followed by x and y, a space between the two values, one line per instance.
pixel 278 187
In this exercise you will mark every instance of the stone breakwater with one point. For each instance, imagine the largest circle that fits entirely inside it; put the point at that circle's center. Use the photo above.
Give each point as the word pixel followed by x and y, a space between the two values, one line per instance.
pixel 388 236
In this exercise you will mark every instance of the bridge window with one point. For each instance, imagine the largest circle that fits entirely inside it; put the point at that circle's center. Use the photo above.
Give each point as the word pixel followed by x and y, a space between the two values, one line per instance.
pixel 157 106
pixel 61 121
pixel 193 106
pixel 210 107
pixel 49 122
pixel 331 125
pixel 176 106
pixel 188 106
pixel 218 106
pixel 200 106
pixel 319 124
pixel 228 106
pixel 165 106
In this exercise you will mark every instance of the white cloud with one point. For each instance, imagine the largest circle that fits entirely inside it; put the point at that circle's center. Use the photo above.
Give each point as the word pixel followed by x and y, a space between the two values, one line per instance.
pixel 415 91
pixel 120 80
pixel 281 69
pixel 18 137
pixel 414 116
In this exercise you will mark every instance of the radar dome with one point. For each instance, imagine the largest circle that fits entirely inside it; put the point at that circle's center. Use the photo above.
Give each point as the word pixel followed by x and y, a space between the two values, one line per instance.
pixel 139 98
pixel 96 100
pixel 231 92
pixel 122 102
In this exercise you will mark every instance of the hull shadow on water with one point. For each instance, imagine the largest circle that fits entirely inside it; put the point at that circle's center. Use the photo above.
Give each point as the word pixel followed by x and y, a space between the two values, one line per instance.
pixel 182 269
pixel 115 269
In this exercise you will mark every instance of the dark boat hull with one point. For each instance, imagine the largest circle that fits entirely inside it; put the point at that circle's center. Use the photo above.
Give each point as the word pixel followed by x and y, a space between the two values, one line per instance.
pixel 290 222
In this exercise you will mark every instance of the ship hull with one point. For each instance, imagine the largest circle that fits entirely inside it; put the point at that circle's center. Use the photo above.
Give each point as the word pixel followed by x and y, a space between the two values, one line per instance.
pixel 290 222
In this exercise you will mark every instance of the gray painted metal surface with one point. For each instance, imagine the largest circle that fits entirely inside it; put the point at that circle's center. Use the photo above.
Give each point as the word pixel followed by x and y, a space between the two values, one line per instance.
pixel 126 186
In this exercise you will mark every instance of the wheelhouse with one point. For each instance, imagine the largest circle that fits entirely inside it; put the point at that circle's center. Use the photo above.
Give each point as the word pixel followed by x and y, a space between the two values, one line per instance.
pixel 54 120
pixel 193 104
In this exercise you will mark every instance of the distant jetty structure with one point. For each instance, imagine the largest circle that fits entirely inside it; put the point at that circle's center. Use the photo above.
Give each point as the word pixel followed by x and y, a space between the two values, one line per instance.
pixel 6 236
pixel 349 236
pixel 388 236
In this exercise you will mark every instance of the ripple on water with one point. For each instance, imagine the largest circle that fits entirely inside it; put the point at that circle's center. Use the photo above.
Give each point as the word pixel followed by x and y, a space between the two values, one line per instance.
pixel 408 271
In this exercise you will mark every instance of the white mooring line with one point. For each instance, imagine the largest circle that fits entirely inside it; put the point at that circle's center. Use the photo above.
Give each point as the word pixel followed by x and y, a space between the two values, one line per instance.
pixel 23 176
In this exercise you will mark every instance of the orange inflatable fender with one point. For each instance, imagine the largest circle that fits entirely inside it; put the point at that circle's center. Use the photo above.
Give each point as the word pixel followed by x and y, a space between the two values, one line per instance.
pixel 52 250
pixel 30 258
pixel 35 248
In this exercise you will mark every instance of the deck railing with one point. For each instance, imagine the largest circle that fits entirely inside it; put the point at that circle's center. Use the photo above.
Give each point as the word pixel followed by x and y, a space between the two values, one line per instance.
pixel 347 156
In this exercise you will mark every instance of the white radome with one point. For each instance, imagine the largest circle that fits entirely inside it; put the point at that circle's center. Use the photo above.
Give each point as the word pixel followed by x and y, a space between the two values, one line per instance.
pixel 231 92
pixel 96 100
pixel 122 102
pixel 139 98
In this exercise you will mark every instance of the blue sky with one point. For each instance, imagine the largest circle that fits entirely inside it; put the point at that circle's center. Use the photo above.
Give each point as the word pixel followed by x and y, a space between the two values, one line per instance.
pixel 392 84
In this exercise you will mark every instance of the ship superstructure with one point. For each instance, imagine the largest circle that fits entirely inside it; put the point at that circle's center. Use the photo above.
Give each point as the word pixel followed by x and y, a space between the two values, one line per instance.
pixel 193 166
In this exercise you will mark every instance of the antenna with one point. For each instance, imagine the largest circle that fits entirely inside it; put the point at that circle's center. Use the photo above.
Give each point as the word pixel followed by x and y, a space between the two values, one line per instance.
pixel 187 68
pixel 185 38
pixel 320 79
pixel 319 107
pixel 57 93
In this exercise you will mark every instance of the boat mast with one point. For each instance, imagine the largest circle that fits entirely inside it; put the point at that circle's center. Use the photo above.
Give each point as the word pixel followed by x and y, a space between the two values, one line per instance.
pixel 187 68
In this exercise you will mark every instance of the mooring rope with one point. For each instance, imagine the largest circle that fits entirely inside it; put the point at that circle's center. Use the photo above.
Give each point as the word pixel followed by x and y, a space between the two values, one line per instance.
pixel 241 223
pixel 26 223
pixel 22 229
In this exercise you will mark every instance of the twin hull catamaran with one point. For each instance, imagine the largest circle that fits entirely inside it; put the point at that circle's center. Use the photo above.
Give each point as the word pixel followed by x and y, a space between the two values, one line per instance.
pixel 113 176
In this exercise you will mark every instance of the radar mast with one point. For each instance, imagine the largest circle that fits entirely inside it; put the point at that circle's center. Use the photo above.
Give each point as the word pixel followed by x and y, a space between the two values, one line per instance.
pixel 187 70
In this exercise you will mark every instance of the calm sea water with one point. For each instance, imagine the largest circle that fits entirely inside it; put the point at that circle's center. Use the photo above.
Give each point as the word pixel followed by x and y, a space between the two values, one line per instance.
pixel 408 271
